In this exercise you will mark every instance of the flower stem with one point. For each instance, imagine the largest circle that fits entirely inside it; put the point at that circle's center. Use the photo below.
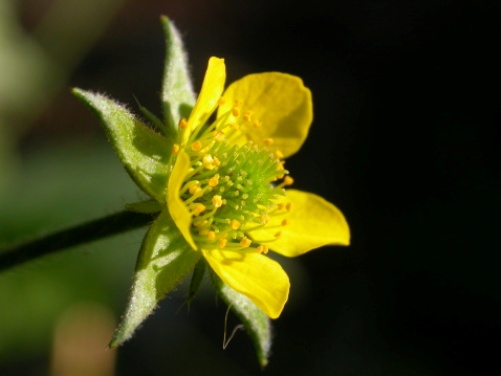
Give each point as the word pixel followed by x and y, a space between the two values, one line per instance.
pixel 80 234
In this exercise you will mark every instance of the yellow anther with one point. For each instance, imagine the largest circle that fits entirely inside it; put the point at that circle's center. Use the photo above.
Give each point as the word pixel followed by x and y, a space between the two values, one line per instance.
pixel 234 224
pixel 196 146
pixel 211 236
pixel 262 249
pixel 209 162
pixel 265 218
pixel 214 181
pixel 217 162
pixel 245 242
pixel 217 201
pixel 279 154
pixel 284 222
pixel 268 141
pixel 183 123
pixel 248 115
pixel 197 208
pixel 193 186
pixel 235 111
pixel 281 167
pixel 203 232
pixel 288 180
pixel 200 223
pixel 222 243
pixel 221 101
pixel 175 149
pixel 219 136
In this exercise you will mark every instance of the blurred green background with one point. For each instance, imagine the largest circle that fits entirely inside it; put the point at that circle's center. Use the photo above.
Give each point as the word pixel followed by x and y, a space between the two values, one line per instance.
pixel 404 141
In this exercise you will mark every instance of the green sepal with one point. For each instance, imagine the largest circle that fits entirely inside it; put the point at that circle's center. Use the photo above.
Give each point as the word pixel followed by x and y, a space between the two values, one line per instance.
pixel 145 207
pixel 196 279
pixel 143 152
pixel 257 325
pixel 164 259
pixel 178 97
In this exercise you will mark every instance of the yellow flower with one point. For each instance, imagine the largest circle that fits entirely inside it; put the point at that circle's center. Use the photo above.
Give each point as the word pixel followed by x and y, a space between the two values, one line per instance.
pixel 226 191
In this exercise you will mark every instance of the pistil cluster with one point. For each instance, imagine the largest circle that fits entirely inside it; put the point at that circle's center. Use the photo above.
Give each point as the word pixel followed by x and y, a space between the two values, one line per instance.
pixel 232 187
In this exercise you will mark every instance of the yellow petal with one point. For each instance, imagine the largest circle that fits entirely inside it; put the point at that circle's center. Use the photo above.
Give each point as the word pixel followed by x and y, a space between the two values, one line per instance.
pixel 312 222
pixel 254 275
pixel 177 209
pixel 280 102
pixel 207 101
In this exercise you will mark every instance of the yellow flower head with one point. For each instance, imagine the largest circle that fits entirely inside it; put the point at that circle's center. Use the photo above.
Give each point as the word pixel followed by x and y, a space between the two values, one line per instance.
pixel 226 190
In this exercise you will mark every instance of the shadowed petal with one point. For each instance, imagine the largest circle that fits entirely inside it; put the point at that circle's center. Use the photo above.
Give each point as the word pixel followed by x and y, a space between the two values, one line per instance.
pixel 177 209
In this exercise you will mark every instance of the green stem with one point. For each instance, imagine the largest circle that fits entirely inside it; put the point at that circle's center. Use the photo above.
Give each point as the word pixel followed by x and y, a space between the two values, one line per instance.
pixel 80 234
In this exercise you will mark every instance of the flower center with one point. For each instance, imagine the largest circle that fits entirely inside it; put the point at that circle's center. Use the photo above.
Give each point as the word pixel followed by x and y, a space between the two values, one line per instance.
pixel 231 188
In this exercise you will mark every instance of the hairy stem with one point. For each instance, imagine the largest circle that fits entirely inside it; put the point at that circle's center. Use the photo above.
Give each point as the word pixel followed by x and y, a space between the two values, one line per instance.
pixel 70 237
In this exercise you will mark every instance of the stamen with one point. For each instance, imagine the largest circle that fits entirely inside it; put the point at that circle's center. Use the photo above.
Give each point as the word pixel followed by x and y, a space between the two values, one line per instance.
pixel 222 243
pixel 234 224
pixel 183 123
pixel 175 149
pixel 217 201
pixel 214 181
pixel 262 249
pixel 208 162
pixel 197 209
pixel 245 242
pixel 200 223
pixel 248 115
pixel 268 141
pixel 196 146
pixel 219 136
pixel 194 187
pixel 281 167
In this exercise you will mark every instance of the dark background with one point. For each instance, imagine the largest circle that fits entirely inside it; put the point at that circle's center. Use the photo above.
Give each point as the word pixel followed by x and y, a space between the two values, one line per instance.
pixel 404 142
